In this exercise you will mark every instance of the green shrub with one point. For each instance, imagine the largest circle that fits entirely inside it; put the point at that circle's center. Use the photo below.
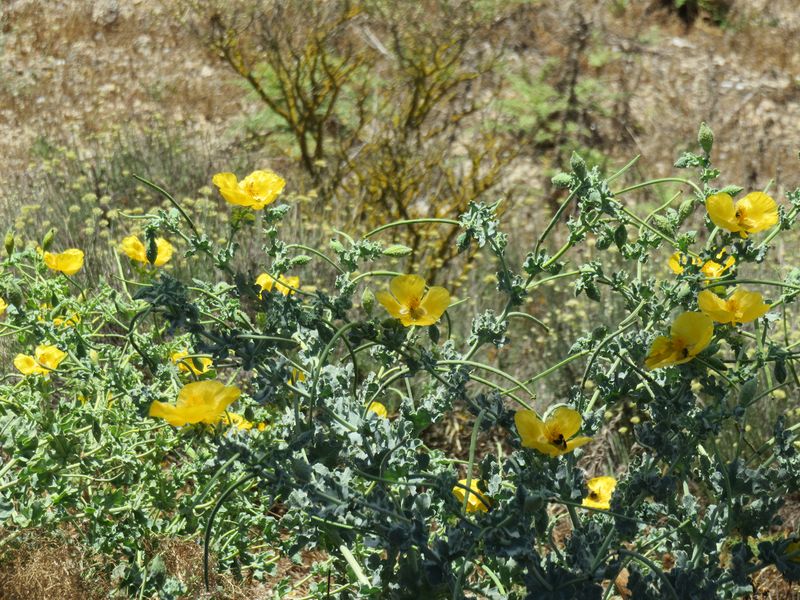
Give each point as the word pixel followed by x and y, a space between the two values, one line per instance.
pixel 349 378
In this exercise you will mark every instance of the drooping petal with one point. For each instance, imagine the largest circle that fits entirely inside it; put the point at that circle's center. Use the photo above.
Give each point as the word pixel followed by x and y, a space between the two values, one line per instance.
pixel 576 442
pixel 476 500
pixel 761 211
pixel 695 329
pixel 722 212
pixel 285 284
pixel 164 253
pixel 661 354
pixel 714 306
pixel 265 282
pixel 391 305
pixel 532 431
pixel 179 416
pixel 239 421
pixel 434 303
pixel 225 180
pixel 675 263
pixel 407 288
pixel 565 421
pixel 236 196
pixel 26 365
pixel 133 248
pixel 750 305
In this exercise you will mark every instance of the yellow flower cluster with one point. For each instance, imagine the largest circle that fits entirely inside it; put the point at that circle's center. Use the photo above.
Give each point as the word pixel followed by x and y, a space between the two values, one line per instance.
pixel 691 332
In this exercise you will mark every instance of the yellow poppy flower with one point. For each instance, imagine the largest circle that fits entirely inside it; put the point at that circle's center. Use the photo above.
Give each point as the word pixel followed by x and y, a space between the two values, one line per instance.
pixel 477 499
pixel 409 302
pixel 135 249
pixel 198 402
pixel 198 365
pixel 68 262
pixel 378 408
pixel 255 191
pixel 753 213
pixel 553 436
pixel 600 490
pixel 741 307
pixel 690 334
pixel 283 285
pixel 238 420
pixel 711 269
pixel 3 306
pixel 45 359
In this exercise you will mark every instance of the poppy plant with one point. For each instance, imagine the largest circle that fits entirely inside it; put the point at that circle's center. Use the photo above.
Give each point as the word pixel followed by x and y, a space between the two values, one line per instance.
pixel 555 435
pixel 408 301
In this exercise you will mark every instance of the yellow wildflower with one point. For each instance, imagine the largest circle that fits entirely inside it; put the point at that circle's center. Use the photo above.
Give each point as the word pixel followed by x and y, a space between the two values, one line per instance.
pixel 409 302
pixel 68 322
pixel 197 402
pixel 187 364
pixel 690 334
pixel 477 499
pixel 135 249
pixel 378 408
pixel 741 307
pixel 600 491
pixel 45 359
pixel 753 213
pixel 3 306
pixel 255 191
pixel 553 436
pixel 238 420
pixel 711 269
pixel 68 262
pixel 283 285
